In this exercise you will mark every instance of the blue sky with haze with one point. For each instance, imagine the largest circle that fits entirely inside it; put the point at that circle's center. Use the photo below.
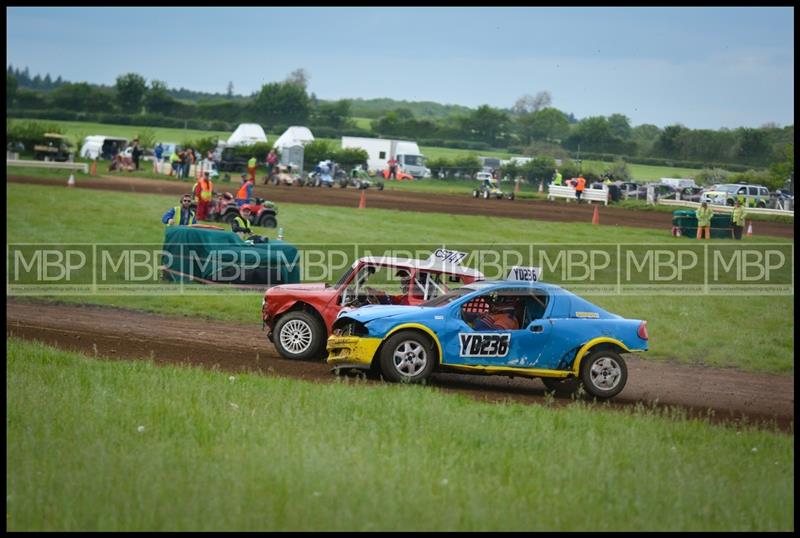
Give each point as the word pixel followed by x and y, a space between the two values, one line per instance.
pixel 701 67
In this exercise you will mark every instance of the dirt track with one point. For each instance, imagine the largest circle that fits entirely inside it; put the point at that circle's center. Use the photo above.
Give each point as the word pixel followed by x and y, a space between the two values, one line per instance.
pixel 413 201
pixel 116 333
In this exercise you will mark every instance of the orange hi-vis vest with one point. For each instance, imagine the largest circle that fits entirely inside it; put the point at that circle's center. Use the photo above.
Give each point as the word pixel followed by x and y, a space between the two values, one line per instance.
pixel 581 184
pixel 241 194
pixel 206 188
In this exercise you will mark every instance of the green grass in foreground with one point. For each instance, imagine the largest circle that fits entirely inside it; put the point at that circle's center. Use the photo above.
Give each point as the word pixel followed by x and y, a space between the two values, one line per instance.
pixel 258 453
pixel 751 333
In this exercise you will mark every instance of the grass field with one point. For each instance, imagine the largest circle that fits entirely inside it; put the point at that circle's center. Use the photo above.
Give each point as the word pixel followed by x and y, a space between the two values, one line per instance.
pixel 73 129
pixel 752 333
pixel 109 446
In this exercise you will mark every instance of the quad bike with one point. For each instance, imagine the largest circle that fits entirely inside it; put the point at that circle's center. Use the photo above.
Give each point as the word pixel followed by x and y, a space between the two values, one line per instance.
pixel 489 189
pixel 262 212
pixel 360 179
pixel 326 174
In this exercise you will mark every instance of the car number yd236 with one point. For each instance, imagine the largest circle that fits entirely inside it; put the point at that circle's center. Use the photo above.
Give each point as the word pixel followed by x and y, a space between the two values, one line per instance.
pixel 484 344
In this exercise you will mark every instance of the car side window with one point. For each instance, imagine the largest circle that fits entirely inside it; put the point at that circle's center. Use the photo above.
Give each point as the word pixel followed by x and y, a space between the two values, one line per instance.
pixel 742 190
pixel 753 191
pixel 494 311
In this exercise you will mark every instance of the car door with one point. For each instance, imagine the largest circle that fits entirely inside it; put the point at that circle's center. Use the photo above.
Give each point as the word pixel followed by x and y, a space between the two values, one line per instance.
pixel 521 347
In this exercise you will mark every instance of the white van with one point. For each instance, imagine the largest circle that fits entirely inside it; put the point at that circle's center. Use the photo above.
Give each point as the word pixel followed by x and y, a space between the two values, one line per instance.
pixel 380 150
pixel 102 147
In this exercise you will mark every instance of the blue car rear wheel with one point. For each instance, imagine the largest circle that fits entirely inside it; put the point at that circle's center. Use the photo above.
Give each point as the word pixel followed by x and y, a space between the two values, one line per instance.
pixel 604 373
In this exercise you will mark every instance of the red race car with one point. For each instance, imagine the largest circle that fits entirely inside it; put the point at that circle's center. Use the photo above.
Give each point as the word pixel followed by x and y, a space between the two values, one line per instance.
pixel 299 317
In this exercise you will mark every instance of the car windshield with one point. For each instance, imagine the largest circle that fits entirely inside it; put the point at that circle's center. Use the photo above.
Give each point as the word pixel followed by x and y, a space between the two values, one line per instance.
pixel 414 160
pixel 726 188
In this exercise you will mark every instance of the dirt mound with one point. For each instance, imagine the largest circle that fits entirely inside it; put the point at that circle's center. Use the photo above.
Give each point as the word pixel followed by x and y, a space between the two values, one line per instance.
pixel 721 395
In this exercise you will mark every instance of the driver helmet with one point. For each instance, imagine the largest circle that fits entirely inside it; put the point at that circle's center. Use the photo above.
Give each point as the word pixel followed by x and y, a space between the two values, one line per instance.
pixel 505 305
pixel 405 279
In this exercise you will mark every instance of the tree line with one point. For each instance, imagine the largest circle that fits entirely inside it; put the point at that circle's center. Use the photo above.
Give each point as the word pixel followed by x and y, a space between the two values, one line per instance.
pixel 530 127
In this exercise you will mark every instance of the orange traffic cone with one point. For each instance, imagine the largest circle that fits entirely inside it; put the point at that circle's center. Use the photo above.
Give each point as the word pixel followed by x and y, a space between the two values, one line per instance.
pixel 516 185
pixel 749 228
pixel 362 203
pixel 596 216
pixel 71 180
pixel 93 168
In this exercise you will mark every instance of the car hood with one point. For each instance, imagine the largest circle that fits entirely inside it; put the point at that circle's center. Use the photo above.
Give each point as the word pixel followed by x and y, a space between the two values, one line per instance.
pixel 368 313
pixel 294 288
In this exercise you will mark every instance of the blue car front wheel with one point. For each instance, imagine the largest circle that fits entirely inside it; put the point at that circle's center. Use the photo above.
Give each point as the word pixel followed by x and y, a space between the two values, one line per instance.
pixel 407 357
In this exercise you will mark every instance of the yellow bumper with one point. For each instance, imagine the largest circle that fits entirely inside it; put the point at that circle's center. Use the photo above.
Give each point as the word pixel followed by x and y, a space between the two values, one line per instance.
pixel 352 350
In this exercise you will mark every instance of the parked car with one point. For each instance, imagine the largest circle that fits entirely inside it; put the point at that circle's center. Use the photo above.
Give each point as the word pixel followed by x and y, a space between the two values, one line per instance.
pixel 727 194
pixel 299 317
pixel 102 147
pixel 628 189
pixel 559 337
pixel 53 147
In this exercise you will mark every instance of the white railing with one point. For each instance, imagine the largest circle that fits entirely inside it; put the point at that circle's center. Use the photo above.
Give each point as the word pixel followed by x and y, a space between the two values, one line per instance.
pixel 726 208
pixel 590 195
pixel 49 164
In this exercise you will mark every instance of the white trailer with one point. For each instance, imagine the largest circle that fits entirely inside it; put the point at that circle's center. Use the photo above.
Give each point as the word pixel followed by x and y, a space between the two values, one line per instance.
pixel 380 150
pixel 677 182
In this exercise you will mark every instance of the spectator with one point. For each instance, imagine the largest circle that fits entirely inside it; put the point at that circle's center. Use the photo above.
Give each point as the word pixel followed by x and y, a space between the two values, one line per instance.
pixel 203 191
pixel 190 160
pixel 183 212
pixel 392 163
pixel 272 160
pixel 245 191
pixel 136 152
pixel 580 184
pixel 175 163
pixel 251 168
pixel 241 223
pixel 738 220
pixel 158 152
pixel 704 214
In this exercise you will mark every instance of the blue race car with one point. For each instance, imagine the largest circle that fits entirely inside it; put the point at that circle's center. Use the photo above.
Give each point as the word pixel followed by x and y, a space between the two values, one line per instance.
pixel 509 327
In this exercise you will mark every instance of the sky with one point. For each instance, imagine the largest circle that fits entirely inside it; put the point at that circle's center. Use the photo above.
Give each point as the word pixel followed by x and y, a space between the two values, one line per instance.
pixel 704 68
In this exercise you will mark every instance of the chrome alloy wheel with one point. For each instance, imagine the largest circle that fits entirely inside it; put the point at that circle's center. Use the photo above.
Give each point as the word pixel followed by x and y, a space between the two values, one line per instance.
pixel 605 373
pixel 409 358
pixel 296 336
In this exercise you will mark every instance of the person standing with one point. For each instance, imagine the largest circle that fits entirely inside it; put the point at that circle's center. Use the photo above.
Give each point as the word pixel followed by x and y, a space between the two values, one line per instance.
pixel 557 179
pixel 203 191
pixel 738 220
pixel 175 163
pixel 245 191
pixel 392 168
pixel 181 215
pixel 158 152
pixel 579 186
pixel 251 168
pixel 272 160
pixel 136 152
pixel 704 214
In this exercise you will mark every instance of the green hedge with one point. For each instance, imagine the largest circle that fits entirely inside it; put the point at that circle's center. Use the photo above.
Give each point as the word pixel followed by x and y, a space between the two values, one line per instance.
pixel 657 161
